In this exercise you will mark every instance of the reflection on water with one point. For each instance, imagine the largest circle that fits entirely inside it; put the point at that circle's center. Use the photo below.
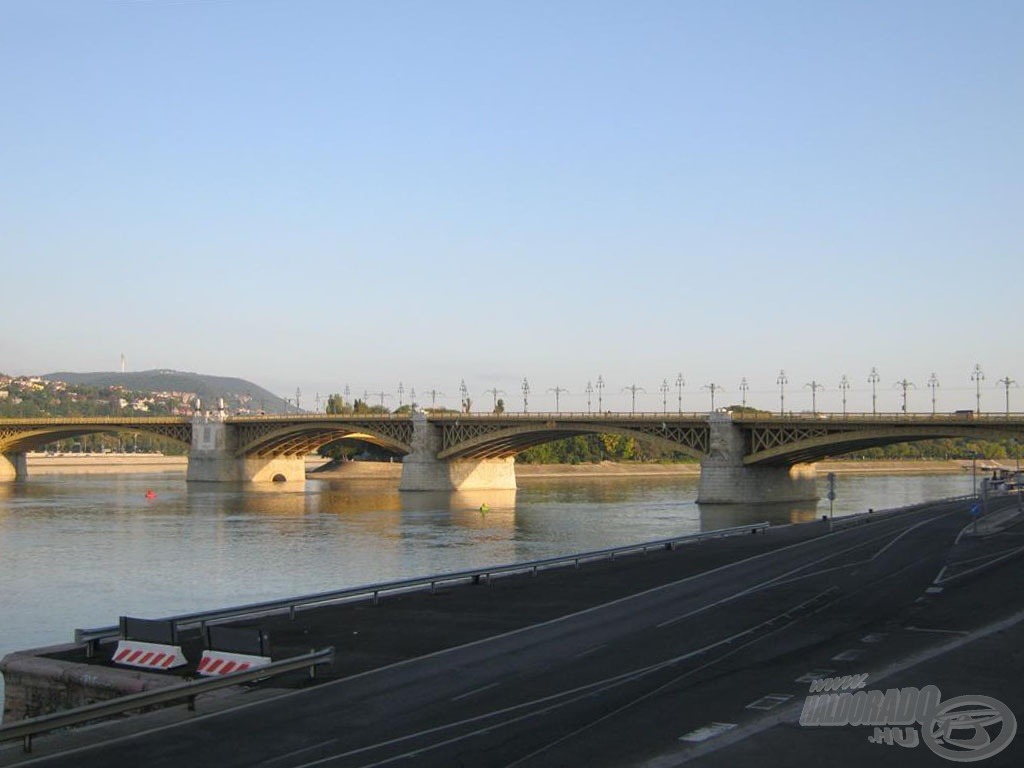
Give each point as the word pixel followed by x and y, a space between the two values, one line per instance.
pixel 80 550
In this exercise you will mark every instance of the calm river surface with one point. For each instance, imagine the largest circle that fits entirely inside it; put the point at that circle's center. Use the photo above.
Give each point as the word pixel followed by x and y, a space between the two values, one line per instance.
pixel 81 550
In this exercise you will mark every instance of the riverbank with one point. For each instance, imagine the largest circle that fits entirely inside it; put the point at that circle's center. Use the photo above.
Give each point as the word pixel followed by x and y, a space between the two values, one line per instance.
pixel 113 463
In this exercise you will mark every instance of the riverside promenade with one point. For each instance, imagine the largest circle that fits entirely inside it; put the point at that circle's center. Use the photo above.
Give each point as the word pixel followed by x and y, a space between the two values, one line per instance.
pixel 613 663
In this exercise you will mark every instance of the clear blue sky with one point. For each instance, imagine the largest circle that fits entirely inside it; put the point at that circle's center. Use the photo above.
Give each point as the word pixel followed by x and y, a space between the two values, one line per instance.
pixel 312 193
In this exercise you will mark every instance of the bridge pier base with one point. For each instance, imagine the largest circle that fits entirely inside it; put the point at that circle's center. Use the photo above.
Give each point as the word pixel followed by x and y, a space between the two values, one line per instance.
pixel 725 479
pixel 13 466
pixel 212 458
pixel 423 471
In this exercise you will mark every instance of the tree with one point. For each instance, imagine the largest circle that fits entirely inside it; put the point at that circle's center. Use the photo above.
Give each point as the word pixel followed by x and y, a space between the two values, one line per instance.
pixel 499 407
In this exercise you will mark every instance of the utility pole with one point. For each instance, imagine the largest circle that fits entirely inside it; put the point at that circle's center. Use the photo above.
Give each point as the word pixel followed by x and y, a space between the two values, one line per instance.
pixel 634 389
pixel 905 385
pixel 712 387
pixel 1007 382
pixel 558 391
pixel 495 391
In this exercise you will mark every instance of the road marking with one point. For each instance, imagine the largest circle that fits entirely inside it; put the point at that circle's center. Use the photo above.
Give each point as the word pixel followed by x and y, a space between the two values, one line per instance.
pixel 874 637
pixel 706 732
pixel 941 631
pixel 814 674
pixel 591 650
pixel 851 654
pixel 475 691
pixel 771 701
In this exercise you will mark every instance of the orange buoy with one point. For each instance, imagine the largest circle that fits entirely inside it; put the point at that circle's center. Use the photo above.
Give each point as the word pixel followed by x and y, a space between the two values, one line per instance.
pixel 150 494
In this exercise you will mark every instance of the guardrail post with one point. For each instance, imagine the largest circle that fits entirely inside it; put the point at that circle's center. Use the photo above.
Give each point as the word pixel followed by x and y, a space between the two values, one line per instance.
pixel 26 743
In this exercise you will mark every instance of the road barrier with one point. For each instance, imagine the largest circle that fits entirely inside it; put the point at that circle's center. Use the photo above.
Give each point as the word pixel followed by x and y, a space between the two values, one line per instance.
pixel 92 637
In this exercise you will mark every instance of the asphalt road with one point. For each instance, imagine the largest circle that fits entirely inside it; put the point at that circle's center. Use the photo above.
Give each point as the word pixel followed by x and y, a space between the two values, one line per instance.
pixel 617 684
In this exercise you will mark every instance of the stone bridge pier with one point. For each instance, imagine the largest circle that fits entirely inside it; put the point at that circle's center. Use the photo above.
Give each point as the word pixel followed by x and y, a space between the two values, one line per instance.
pixel 213 457
pixel 423 471
pixel 13 466
pixel 725 479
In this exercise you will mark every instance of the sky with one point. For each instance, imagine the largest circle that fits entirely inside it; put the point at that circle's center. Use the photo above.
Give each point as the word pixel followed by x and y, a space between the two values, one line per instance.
pixel 313 194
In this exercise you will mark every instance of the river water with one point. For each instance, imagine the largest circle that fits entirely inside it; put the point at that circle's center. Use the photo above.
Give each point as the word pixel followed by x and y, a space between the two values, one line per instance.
pixel 81 550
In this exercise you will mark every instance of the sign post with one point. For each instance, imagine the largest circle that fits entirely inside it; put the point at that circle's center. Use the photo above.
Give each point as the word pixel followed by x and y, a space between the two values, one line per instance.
pixel 831 497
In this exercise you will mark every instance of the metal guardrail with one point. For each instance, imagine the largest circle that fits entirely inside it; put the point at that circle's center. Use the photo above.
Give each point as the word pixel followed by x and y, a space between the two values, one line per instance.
pixel 92 637
pixel 861 518
pixel 187 692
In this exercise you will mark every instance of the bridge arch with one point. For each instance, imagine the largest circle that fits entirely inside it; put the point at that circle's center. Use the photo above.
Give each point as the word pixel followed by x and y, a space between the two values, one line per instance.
pixel 478 441
pixel 299 439
pixel 811 444
pixel 34 434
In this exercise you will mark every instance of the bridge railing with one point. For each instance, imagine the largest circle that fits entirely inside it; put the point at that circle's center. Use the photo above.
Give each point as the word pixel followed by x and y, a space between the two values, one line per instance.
pixel 964 417
pixel 92 637
pixel 181 692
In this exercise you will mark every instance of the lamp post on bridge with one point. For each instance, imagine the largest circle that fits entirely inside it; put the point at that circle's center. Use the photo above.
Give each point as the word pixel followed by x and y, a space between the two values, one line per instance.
pixel 743 389
pixel 680 383
pixel 634 389
pixel 664 388
pixel 873 379
pixel 1007 382
pixel 712 388
pixel 558 392
pixel 464 392
pixel 590 391
pixel 600 389
pixel 905 385
pixel 933 384
pixel 781 381
pixel 977 376
pixel 815 386
pixel 844 386
pixel 401 395
pixel 526 393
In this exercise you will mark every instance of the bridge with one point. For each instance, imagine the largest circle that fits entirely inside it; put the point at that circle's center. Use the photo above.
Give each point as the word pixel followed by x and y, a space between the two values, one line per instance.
pixel 744 457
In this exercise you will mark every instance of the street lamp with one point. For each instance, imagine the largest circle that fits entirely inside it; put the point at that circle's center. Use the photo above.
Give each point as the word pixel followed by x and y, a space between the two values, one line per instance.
pixel 905 385
pixel 600 389
pixel 464 392
pixel 712 388
pixel 844 385
pixel 1007 382
pixel 401 395
pixel 781 381
pixel 873 379
pixel 526 393
pixel 815 386
pixel 680 383
pixel 664 388
pixel 590 391
pixel 743 388
pixel 977 376
pixel 634 389
pixel 933 384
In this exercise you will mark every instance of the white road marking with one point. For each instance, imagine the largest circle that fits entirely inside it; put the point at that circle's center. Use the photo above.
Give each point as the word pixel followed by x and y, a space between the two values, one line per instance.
pixel 475 691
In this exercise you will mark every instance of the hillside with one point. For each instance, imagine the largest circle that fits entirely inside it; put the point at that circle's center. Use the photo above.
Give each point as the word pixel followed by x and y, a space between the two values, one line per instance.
pixel 237 393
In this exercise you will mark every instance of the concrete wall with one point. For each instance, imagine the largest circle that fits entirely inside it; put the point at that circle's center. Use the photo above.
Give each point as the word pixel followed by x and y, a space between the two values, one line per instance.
pixel 36 685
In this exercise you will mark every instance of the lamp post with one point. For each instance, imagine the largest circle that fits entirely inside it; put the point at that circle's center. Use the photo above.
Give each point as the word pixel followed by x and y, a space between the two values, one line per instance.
pixel 977 376
pixel 844 385
pixel 600 389
pixel 558 391
pixel 873 379
pixel 712 388
pixel 680 383
pixel 904 384
pixel 664 388
pixel 464 392
pixel 815 386
pixel 401 395
pixel 933 384
pixel 526 393
pixel 781 381
pixel 1007 382
pixel 590 391
pixel 634 389
pixel 743 389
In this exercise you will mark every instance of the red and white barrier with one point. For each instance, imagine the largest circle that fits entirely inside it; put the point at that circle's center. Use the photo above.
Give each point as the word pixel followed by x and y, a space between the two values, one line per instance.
pixel 135 653
pixel 224 663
